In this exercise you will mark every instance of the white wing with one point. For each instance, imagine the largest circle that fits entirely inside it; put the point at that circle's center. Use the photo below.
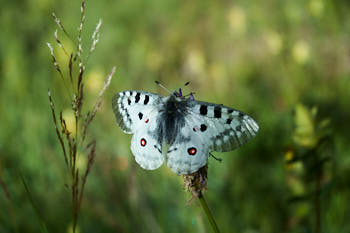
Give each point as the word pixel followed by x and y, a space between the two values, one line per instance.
pixel 224 128
pixel 188 153
pixel 132 107
pixel 208 127
pixel 146 150
pixel 136 112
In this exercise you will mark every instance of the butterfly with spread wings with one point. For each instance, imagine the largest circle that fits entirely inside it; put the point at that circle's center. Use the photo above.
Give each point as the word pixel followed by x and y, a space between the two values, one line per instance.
pixel 178 130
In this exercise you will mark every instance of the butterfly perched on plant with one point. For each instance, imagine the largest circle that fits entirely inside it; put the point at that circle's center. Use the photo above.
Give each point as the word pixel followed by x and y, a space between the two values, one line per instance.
pixel 178 130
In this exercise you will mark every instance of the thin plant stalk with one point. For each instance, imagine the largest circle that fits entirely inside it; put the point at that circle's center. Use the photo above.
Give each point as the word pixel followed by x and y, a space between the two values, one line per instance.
pixel 73 143
pixel 208 213
pixel 196 183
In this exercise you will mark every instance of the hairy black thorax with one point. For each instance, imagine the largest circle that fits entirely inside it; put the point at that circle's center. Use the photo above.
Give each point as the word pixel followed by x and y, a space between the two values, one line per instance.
pixel 171 119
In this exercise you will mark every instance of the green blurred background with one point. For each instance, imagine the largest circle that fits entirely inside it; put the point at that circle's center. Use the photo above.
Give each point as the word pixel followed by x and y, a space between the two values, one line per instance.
pixel 264 58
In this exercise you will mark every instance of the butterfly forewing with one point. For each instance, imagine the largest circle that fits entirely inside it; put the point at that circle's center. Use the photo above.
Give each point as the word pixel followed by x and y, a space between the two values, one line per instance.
pixel 132 107
pixel 226 128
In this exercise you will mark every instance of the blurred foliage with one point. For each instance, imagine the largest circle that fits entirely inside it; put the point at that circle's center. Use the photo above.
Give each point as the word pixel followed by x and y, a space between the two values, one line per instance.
pixel 308 176
pixel 264 58
pixel 308 133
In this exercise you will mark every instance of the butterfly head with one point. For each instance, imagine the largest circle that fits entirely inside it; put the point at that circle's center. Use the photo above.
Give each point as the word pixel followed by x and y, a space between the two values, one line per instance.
pixel 180 95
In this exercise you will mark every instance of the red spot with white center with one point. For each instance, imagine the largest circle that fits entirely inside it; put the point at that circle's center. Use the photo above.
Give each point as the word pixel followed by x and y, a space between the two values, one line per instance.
pixel 192 151
pixel 143 142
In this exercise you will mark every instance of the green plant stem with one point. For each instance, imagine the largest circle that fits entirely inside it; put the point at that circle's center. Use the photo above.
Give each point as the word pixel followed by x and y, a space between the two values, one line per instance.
pixel 208 213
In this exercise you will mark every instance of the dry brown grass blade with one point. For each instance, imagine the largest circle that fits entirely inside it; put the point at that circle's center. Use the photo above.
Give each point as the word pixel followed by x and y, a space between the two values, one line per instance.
pixel 91 159
pixel 73 143
pixel 52 106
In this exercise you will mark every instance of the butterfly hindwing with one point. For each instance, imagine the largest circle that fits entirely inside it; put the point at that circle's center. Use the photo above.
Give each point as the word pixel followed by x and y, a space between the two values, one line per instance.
pixel 132 107
pixel 146 150
pixel 225 128
pixel 189 151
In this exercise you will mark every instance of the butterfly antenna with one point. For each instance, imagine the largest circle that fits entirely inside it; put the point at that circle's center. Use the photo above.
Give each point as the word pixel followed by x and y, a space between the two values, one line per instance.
pixel 192 93
pixel 161 85
pixel 216 158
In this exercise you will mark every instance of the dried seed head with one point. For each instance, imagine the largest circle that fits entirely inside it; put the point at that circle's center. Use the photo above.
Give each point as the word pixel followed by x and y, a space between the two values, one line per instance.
pixel 96 36
pixel 58 40
pixel 58 21
pixel 196 183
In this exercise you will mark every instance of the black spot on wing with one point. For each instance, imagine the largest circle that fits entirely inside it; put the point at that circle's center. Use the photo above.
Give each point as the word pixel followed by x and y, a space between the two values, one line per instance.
pixel 140 115
pixel 228 121
pixel 203 127
pixel 239 128
pixel 230 111
pixel 146 99
pixel 137 97
pixel 203 110
pixel 217 112
pixel 129 101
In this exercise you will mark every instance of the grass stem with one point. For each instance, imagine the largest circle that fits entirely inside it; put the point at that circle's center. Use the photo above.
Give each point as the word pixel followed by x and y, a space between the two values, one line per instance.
pixel 208 213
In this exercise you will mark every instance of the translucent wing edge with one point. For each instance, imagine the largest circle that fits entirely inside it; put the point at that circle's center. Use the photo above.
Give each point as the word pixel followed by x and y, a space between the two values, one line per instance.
pixel 232 138
pixel 116 99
